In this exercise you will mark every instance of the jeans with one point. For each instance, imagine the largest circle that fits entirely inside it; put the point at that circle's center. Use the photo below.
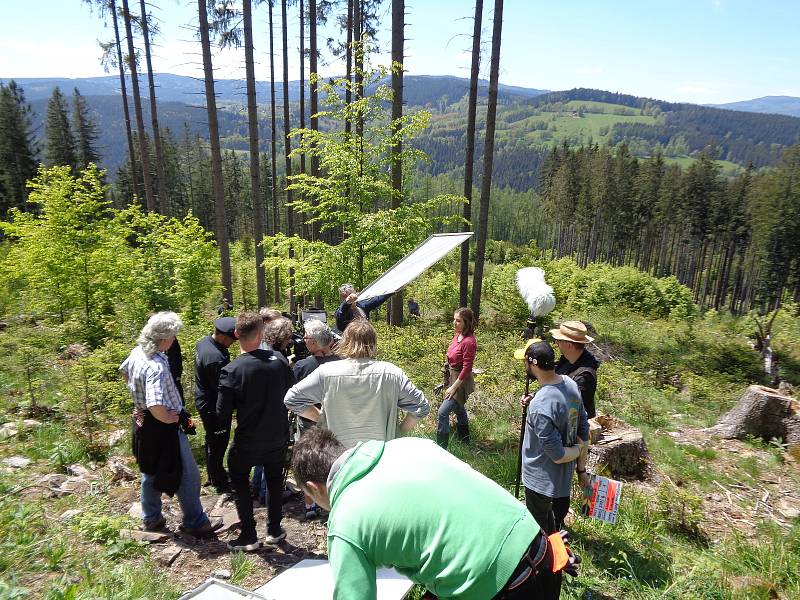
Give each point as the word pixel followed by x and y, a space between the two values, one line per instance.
pixel 447 407
pixel 259 483
pixel 215 446
pixel 188 491
pixel 549 513
pixel 239 470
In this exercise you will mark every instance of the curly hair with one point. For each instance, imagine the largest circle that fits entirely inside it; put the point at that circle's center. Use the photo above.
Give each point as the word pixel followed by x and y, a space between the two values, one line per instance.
pixel 277 330
pixel 160 326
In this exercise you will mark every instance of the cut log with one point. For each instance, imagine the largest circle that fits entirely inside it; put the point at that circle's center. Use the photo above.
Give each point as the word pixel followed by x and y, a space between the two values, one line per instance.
pixel 760 412
pixel 620 452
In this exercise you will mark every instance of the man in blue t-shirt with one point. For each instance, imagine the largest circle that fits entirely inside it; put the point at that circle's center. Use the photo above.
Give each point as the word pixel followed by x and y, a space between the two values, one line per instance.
pixel 555 429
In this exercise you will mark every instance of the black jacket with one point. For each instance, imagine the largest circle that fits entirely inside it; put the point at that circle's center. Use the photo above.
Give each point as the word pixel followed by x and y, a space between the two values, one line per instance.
pixel 209 358
pixel 254 385
pixel 584 372
pixel 156 447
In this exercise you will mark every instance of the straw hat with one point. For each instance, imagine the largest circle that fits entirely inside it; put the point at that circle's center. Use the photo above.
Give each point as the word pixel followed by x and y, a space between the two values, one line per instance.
pixel 572 331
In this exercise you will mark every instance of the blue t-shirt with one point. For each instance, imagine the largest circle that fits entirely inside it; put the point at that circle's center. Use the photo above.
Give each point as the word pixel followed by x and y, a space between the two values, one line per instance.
pixel 556 418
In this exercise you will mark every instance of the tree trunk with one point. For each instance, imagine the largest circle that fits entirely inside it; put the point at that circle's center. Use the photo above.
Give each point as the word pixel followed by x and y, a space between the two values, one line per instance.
pixel 348 93
pixel 358 47
pixel 620 452
pixel 304 229
pixel 288 146
pixel 488 157
pixel 276 290
pixel 761 412
pixel 398 31
pixel 221 224
pixel 137 106
pixel 469 161
pixel 126 113
pixel 255 167
pixel 162 201
pixel 314 93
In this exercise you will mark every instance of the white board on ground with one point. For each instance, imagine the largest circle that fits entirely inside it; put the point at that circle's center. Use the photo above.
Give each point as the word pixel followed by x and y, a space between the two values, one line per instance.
pixel 214 589
pixel 312 578
pixel 413 264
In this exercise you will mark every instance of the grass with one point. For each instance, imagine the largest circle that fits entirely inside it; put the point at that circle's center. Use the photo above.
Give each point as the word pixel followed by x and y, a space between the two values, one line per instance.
pixel 663 378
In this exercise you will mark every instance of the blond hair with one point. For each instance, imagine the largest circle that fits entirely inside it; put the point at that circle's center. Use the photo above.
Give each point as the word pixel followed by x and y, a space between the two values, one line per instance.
pixel 360 340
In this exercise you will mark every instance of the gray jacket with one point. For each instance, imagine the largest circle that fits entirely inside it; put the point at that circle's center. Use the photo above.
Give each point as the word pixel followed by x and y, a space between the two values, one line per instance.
pixel 360 398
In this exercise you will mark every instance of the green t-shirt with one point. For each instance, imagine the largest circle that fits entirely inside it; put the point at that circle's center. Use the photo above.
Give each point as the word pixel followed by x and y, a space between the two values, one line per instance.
pixel 410 505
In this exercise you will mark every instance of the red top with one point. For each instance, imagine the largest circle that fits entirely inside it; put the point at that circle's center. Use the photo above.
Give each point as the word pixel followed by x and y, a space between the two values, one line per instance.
pixel 462 354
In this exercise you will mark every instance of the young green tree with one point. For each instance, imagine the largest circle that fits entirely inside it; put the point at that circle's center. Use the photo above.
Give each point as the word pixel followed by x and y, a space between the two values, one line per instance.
pixel 59 141
pixel 85 132
pixel 353 191
pixel 17 148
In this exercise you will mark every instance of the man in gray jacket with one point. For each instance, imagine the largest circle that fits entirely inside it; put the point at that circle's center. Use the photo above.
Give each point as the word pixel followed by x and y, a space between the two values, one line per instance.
pixel 360 396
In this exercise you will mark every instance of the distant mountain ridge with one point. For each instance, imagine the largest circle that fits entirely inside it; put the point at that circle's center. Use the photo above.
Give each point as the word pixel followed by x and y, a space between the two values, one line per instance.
pixel 776 105
pixel 529 123
pixel 190 90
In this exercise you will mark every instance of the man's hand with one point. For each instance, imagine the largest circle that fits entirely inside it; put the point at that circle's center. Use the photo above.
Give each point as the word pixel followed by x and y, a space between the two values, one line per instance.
pixel 585 480
pixel 525 400
pixel 163 414
pixel 351 299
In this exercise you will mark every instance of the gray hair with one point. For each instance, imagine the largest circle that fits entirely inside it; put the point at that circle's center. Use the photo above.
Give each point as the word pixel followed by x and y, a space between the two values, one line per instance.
pixel 347 288
pixel 160 326
pixel 277 330
pixel 318 330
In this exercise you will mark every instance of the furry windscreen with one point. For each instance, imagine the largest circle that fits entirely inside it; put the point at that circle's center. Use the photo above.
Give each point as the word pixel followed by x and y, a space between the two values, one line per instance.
pixel 535 292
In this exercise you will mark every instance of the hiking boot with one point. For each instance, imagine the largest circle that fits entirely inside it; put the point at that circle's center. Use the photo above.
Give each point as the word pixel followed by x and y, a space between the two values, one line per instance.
pixel 275 539
pixel 462 432
pixel 442 439
pixel 246 542
pixel 209 527
pixel 154 524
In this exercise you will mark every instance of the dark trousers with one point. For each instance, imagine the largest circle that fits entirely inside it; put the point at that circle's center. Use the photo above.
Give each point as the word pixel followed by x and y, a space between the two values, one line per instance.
pixel 548 512
pixel 533 579
pixel 239 467
pixel 216 443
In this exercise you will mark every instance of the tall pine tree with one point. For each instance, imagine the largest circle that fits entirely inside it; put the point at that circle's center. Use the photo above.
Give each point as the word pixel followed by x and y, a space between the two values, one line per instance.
pixel 59 142
pixel 17 148
pixel 85 132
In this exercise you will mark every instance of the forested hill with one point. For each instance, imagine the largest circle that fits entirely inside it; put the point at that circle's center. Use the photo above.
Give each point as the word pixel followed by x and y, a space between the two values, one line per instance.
pixel 529 123
pixel 779 105
pixel 418 90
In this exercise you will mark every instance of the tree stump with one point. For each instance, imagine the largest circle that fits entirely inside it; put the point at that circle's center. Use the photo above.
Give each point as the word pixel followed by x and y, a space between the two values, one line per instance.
pixel 761 412
pixel 620 452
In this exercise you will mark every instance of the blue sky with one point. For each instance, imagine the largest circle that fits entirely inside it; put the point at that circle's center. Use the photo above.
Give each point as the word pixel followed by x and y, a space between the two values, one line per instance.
pixel 706 51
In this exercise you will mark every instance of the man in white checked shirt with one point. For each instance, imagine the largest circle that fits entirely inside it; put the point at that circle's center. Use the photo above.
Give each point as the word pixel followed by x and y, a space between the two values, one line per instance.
pixel 161 448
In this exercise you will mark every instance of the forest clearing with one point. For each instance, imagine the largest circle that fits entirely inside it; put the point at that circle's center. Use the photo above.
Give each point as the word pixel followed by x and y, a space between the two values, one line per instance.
pixel 214 288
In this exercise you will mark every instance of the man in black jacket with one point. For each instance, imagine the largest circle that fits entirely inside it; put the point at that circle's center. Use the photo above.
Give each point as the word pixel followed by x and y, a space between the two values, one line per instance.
pixel 254 385
pixel 211 355
pixel 576 361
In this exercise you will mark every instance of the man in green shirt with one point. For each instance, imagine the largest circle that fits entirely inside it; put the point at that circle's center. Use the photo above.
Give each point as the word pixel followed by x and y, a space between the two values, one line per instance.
pixel 410 505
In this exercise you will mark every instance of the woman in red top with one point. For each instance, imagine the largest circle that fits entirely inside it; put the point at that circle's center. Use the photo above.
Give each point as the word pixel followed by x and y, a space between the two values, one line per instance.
pixel 460 358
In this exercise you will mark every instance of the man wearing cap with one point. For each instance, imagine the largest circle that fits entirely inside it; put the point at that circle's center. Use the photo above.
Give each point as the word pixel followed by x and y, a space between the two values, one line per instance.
pixel 576 361
pixel 555 427
pixel 211 354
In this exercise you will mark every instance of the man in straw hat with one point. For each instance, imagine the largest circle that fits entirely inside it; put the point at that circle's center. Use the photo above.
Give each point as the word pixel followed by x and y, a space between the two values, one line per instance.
pixel 576 361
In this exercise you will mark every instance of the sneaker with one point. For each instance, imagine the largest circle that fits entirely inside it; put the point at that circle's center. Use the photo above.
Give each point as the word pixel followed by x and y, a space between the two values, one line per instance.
pixel 312 512
pixel 155 524
pixel 209 527
pixel 246 542
pixel 274 540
